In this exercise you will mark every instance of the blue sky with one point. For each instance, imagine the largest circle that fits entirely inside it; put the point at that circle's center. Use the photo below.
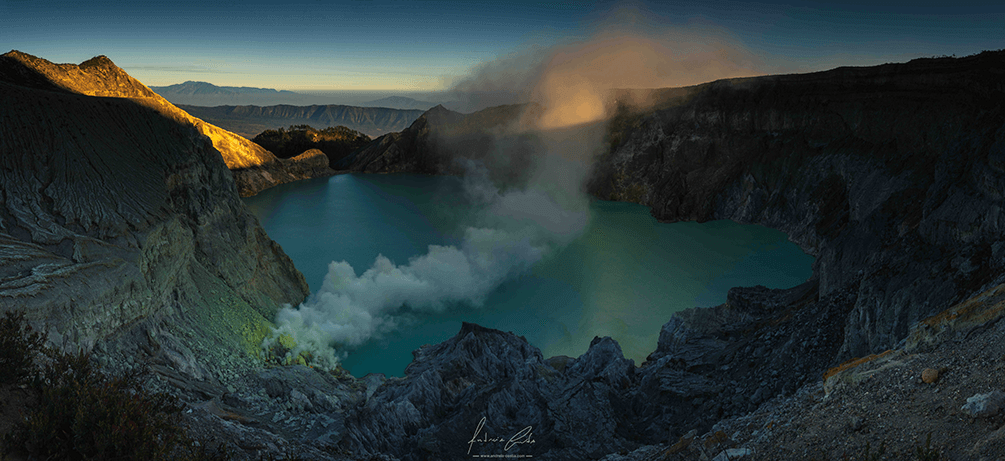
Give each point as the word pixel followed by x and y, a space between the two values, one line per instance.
pixel 421 46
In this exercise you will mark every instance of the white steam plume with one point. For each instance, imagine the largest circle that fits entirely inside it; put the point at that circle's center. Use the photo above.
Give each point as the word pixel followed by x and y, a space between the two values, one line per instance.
pixel 515 230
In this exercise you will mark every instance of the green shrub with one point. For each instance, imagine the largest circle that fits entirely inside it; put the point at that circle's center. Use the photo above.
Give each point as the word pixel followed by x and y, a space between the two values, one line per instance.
pixel 19 345
pixel 83 414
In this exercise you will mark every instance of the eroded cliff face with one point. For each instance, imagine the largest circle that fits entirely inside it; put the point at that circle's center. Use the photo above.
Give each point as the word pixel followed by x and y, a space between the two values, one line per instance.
pixel 891 176
pixel 115 216
pixel 254 168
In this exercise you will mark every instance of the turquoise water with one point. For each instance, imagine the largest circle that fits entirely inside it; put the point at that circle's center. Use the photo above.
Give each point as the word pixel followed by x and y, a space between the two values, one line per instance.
pixel 623 277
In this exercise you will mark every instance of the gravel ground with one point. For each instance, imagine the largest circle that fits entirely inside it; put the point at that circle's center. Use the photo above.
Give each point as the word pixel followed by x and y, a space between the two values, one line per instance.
pixel 879 409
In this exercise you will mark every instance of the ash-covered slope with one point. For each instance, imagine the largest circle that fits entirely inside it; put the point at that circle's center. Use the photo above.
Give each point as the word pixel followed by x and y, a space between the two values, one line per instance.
pixel 249 121
pixel 254 168
pixel 118 216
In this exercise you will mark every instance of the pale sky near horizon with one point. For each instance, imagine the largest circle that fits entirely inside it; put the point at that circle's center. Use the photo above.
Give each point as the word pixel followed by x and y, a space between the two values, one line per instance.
pixel 426 46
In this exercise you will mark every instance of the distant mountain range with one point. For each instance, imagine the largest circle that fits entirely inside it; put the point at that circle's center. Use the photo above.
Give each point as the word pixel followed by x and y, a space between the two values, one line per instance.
pixel 203 88
pixel 209 95
pixel 249 121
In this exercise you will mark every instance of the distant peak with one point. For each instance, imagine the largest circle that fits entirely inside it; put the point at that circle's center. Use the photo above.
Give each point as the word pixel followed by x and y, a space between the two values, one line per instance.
pixel 438 112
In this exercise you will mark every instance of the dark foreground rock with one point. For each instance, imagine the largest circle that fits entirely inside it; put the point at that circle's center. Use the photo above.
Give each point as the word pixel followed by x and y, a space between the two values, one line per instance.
pixel 708 364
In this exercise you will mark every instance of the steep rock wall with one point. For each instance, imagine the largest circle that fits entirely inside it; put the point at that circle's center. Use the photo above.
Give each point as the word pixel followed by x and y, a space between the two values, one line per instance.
pixel 891 176
pixel 112 213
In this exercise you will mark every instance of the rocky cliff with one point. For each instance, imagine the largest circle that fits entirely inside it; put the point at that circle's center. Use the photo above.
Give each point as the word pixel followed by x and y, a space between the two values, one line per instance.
pixel 891 176
pixel 119 219
pixel 254 168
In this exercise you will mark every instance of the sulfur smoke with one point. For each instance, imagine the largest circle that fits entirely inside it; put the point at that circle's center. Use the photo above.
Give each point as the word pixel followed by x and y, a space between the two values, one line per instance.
pixel 517 226
pixel 514 229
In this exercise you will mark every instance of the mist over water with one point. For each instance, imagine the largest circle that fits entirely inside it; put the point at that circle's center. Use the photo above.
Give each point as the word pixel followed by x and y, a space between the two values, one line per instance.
pixel 511 231
pixel 623 276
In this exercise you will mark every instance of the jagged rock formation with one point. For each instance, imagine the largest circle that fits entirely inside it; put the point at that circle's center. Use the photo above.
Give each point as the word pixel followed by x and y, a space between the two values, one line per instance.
pixel 248 121
pixel 119 219
pixel 707 366
pixel 254 168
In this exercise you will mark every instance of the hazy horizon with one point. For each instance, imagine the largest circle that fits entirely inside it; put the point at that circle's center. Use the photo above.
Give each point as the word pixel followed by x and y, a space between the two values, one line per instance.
pixel 419 47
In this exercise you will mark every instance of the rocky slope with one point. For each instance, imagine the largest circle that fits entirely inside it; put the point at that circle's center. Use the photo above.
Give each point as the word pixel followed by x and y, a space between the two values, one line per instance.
pixel 248 121
pixel 121 227
pixel 254 168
